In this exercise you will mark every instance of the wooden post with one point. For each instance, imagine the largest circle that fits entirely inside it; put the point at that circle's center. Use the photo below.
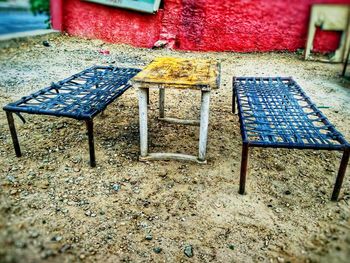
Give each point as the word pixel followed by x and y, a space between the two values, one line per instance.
pixel 244 168
pixel 203 133
pixel 13 132
pixel 143 121
pixel 161 102
pixel 341 174
pixel 90 130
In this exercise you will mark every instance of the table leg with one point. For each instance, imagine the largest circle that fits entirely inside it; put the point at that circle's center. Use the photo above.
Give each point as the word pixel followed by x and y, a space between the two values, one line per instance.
pixel 161 102
pixel 203 133
pixel 143 99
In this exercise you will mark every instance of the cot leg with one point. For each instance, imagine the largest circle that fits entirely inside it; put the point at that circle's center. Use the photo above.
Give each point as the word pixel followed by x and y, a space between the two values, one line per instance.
pixel 204 123
pixel 143 122
pixel 341 173
pixel 161 102
pixel 13 132
pixel 90 129
pixel 233 100
pixel 244 168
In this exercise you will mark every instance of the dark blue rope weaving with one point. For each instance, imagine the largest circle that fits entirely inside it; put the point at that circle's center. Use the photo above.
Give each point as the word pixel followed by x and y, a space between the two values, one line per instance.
pixel 80 96
pixel 276 112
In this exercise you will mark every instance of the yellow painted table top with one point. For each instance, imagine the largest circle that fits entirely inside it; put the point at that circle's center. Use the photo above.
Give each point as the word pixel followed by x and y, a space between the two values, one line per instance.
pixel 170 72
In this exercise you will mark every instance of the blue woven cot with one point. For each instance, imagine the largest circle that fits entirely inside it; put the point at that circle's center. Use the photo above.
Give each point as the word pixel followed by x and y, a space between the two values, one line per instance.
pixel 276 112
pixel 81 96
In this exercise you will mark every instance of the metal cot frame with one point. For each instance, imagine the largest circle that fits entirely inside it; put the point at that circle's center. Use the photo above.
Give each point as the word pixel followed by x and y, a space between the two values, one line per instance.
pixel 275 112
pixel 81 96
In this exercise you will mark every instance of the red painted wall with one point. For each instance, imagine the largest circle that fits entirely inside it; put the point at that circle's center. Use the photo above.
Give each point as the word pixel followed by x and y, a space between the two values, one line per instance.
pixel 110 24
pixel 56 14
pixel 217 25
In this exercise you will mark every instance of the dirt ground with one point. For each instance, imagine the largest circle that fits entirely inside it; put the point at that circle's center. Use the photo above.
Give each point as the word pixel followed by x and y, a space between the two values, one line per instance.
pixel 55 208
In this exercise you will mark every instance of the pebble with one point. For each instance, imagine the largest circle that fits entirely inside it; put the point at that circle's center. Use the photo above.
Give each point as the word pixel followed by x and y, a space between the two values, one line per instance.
pixel 162 173
pixel 60 126
pixel 34 234
pixel 20 244
pixel 116 187
pixel 64 211
pixel 64 248
pixel 46 43
pixel 88 213
pixel 157 250
pixel 44 184
pixel 149 237
pixel 77 160
pixel 56 238
pixel 231 246
pixel 188 251
pixel 278 210
pixel 46 254
pixel 13 192
pixel 11 178
pixel 31 175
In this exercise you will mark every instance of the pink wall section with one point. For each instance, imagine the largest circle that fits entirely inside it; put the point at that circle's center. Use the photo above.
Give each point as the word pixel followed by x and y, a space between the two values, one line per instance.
pixel 206 25
pixel 56 14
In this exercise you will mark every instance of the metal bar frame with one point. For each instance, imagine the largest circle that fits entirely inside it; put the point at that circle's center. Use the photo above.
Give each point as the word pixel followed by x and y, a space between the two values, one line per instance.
pixel 85 95
pixel 344 146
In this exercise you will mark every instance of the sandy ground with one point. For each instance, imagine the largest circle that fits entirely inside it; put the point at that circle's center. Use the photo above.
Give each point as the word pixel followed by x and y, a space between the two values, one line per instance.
pixel 55 208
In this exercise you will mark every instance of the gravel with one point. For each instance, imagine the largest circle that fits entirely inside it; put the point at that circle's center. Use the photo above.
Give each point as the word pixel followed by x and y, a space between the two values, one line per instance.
pixel 105 213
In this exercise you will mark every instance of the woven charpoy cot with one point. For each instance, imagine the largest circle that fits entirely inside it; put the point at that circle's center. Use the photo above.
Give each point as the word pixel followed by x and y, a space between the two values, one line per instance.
pixel 276 113
pixel 81 96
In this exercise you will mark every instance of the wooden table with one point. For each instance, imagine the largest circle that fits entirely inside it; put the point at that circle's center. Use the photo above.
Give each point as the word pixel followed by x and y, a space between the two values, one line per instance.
pixel 176 73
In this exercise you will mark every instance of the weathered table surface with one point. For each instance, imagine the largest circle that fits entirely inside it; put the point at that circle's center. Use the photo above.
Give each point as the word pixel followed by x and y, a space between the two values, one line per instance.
pixel 180 73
